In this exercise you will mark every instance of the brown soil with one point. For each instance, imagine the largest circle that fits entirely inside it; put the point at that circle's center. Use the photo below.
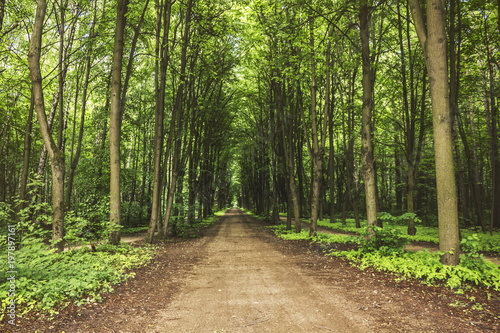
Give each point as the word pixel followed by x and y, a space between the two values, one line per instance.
pixel 241 278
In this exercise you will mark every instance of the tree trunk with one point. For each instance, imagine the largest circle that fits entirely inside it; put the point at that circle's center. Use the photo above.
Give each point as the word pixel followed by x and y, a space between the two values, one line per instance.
pixel 278 99
pixel 433 43
pixel 114 126
pixel 2 12
pixel 494 155
pixel 76 158
pixel 366 144
pixel 177 117
pixel 61 76
pixel 475 162
pixel 287 133
pixel 56 155
pixel 159 115
pixel 27 154
pixel 331 172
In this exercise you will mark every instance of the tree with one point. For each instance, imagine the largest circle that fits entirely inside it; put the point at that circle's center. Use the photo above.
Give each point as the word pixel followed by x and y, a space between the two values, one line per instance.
pixel 115 125
pixel 366 133
pixel 433 41
pixel 162 51
pixel 57 158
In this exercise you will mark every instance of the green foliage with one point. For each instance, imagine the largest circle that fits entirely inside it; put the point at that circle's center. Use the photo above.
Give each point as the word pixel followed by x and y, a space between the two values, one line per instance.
pixel 384 240
pixel 384 251
pixel 486 242
pixel 400 220
pixel 258 217
pixel 133 230
pixel 192 230
pixel 46 279
pixel 426 266
pixel 324 238
pixel 280 231
pixel 321 238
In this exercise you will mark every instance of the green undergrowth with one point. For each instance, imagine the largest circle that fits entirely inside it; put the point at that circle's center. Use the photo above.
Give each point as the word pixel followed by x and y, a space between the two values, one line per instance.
pixel 45 280
pixel 133 230
pixel 192 230
pixel 385 252
pixel 487 242
pixel 323 238
pixel 425 266
pixel 258 217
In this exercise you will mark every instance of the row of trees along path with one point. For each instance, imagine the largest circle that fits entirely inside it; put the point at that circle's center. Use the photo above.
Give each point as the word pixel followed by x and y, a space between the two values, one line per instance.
pixel 161 111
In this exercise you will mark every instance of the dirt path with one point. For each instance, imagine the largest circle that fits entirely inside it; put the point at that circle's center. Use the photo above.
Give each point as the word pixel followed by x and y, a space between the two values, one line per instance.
pixel 241 278
pixel 245 285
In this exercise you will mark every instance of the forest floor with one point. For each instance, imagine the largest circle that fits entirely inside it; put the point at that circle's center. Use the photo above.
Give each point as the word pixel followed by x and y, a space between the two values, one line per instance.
pixel 239 277
pixel 413 246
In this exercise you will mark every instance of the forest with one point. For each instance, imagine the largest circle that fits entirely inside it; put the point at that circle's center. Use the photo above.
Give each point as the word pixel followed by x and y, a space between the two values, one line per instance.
pixel 131 116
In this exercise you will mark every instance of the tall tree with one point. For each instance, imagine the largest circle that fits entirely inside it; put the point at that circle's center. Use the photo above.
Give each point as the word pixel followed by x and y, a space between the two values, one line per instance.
pixel 366 135
pixel 57 158
pixel 433 41
pixel 115 125
pixel 177 119
pixel 162 50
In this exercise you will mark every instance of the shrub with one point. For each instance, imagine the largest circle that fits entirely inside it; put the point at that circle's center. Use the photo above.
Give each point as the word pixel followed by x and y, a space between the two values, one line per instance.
pixel 385 240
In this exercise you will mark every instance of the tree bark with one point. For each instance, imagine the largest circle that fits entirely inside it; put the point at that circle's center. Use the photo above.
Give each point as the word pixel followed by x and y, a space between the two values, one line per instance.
pixel 177 117
pixel 75 159
pixel 331 170
pixel 366 143
pixel 159 115
pixel 56 155
pixel 433 42
pixel 114 126
pixel 287 139
pixel 27 154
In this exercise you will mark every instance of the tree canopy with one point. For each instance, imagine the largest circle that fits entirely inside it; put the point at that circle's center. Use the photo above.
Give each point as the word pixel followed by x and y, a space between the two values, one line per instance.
pixel 155 113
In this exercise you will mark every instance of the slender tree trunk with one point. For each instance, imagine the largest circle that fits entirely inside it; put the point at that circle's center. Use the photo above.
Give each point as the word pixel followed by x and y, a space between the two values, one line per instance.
pixel 473 166
pixel 409 118
pixel 42 161
pixel 398 178
pixel 316 148
pixel 61 76
pixel 366 144
pixel 76 158
pixel 27 154
pixel 454 65
pixel 287 140
pixel 178 109
pixel 56 155
pixel 331 171
pixel 433 42
pixel 130 64
pixel 159 115
pixel 2 12
pixel 494 155
pixel 278 101
pixel 114 126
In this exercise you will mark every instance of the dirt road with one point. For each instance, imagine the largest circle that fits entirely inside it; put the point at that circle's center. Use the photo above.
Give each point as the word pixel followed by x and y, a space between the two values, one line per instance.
pixel 241 278
pixel 245 285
